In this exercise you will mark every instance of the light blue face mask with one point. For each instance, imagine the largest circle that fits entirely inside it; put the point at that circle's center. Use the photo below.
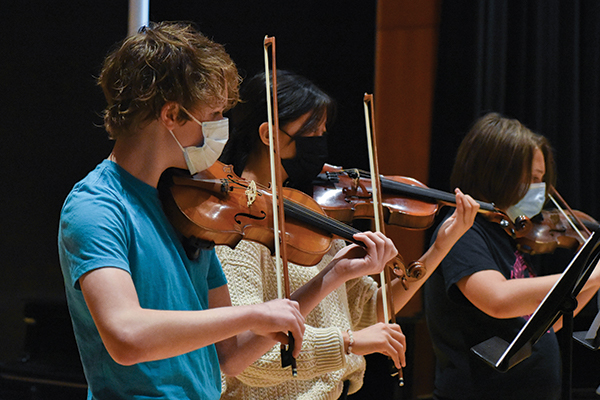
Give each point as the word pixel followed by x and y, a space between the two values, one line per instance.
pixel 215 133
pixel 530 205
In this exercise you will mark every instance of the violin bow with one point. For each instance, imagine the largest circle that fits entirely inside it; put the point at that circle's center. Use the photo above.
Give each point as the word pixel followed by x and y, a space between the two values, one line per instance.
pixel 385 275
pixel 553 192
pixel 276 189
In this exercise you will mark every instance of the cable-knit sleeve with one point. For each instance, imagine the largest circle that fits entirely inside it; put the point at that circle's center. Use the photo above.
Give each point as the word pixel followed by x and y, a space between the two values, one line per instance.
pixel 322 352
pixel 251 276
pixel 362 301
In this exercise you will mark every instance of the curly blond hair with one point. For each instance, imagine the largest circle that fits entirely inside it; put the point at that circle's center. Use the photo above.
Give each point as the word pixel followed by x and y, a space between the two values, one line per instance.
pixel 167 61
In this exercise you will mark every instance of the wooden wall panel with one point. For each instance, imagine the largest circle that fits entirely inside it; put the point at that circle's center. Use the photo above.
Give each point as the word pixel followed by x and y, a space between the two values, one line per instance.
pixel 404 81
pixel 404 85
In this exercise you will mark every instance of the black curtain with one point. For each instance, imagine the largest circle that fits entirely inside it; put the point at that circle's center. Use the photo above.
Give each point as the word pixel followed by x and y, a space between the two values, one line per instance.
pixel 534 60
pixel 51 133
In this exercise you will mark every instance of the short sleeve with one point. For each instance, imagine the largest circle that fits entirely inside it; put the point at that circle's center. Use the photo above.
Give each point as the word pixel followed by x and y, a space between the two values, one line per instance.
pixel 216 277
pixel 92 235
pixel 467 256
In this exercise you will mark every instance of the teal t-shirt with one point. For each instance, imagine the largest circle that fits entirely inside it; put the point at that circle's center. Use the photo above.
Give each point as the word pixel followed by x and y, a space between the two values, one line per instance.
pixel 112 219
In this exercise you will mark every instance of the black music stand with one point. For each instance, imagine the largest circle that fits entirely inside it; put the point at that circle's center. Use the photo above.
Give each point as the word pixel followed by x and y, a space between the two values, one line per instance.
pixel 590 338
pixel 560 300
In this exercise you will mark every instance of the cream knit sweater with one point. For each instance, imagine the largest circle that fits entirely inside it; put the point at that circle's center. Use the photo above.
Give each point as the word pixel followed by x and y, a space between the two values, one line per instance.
pixel 323 364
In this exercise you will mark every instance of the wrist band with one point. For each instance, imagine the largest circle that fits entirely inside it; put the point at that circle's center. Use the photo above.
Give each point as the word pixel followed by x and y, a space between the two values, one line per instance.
pixel 350 342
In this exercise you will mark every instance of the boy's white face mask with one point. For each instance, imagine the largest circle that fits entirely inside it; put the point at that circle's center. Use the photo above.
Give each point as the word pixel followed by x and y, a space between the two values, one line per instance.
pixel 530 205
pixel 216 134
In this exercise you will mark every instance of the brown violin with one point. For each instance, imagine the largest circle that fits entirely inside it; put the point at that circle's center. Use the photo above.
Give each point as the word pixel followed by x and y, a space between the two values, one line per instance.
pixel 345 194
pixel 216 206
pixel 561 227
pixel 554 229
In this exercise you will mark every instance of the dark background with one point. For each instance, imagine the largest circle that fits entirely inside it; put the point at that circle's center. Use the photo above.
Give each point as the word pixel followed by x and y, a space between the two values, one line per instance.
pixel 51 133
pixel 537 61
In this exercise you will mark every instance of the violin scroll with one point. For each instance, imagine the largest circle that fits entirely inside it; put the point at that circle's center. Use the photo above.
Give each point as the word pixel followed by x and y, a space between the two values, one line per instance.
pixel 415 271
pixel 520 228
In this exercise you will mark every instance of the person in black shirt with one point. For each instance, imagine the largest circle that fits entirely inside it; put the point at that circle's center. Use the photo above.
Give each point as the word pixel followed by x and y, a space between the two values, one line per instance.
pixel 477 291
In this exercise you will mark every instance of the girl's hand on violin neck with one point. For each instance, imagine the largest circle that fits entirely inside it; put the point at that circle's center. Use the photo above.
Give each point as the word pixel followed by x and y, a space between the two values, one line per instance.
pixel 354 261
pixel 459 222
pixel 275 318
pixel 383 338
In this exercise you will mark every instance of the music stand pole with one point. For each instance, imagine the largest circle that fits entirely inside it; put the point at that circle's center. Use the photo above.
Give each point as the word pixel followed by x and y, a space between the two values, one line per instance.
pixel 566 348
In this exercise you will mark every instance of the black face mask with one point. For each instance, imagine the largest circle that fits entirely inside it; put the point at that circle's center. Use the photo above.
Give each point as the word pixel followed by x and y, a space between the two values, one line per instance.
pixel 311 154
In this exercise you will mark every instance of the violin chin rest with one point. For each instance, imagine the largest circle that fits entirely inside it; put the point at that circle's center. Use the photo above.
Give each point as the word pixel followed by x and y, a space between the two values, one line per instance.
pixel 192 246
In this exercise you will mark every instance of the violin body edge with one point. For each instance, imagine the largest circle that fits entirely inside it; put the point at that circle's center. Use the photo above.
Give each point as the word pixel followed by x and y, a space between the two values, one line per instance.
pixel 551 230
pixel 225 218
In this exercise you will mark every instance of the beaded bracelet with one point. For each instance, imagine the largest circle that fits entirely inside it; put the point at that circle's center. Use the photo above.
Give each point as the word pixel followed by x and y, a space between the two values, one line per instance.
pixel 350 342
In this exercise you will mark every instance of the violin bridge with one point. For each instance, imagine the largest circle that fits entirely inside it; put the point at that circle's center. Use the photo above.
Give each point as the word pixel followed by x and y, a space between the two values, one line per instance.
pixel 355 175
pixel 251 193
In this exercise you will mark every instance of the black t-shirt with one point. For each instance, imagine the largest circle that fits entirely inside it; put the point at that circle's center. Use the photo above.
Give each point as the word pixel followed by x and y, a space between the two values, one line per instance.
pixel 456 325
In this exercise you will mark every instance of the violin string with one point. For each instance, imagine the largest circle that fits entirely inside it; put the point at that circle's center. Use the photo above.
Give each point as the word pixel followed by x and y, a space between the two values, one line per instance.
pixel 306 214
pixel 324 222
pixel 414 190
pixel 407 188
pixel 575 217
pixel 565 215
